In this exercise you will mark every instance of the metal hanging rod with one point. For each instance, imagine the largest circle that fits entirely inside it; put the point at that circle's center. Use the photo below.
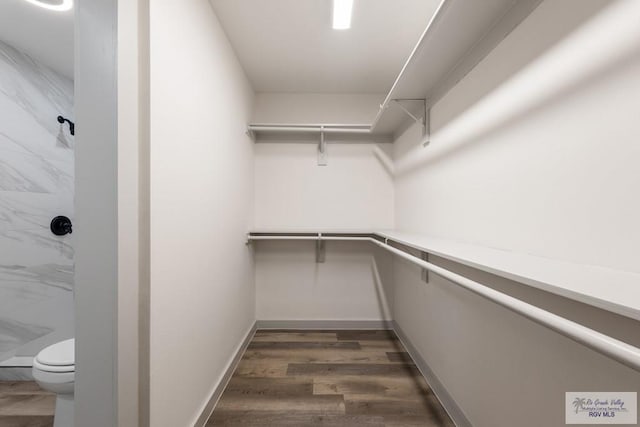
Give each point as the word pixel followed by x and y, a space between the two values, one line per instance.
pixel 319 129
pixel 316 237
pixel 437 15
pixel 617 350
pixel 356 129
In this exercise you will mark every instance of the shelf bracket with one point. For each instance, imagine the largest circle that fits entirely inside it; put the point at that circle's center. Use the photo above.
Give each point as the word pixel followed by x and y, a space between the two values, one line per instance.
pixel 421 120
pixel 427 128
pixel 320 249
pixel 425 273
pixel 322 149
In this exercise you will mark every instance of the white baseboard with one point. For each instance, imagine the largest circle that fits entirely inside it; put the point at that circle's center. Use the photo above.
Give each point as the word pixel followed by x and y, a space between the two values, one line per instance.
pixel 222 384
pixel 448 403
pixel 324 324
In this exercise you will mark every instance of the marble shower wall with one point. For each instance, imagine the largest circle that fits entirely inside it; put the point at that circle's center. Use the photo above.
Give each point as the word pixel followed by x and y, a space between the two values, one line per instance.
pixel 36 184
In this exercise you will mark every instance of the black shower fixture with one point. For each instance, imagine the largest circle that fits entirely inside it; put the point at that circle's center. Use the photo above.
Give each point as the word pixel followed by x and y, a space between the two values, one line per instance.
pixel 61 225
pixel 72 126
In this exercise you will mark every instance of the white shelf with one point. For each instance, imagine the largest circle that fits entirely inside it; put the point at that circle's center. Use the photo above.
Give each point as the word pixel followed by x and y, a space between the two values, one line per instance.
pixel 459 36
pixel 612 290
pixel 288 230
pixel 282 132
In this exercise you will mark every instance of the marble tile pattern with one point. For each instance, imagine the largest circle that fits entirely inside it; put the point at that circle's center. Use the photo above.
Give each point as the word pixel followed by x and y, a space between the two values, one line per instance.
pixel 36 184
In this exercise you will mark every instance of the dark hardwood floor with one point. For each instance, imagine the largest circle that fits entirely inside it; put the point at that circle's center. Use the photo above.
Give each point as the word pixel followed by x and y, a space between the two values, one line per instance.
pixel 292 378
pixel 24 404
pixel 327 378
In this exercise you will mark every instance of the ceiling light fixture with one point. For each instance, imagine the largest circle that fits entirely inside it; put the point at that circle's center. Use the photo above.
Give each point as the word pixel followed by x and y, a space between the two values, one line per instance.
pixel 57 5
pixel 342 10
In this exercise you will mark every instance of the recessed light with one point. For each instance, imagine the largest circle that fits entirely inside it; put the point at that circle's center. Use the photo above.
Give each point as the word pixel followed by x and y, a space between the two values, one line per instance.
pixel 342 14
pixel 57 5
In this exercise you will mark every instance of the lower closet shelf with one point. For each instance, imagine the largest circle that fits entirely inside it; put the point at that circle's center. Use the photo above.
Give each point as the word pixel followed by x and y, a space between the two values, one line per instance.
pixel 611 290
pixel 606 345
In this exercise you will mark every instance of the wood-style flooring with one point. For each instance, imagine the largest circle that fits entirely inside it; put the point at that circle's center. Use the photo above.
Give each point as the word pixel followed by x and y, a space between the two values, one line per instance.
pixel 327 378
pixel 24 404
pixel 294 378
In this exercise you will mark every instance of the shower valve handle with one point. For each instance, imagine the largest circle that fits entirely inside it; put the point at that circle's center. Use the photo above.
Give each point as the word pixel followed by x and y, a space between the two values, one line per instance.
pixel 61 225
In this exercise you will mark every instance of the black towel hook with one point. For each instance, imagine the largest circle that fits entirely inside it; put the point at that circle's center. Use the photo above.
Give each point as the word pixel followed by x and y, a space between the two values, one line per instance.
pixel 72 126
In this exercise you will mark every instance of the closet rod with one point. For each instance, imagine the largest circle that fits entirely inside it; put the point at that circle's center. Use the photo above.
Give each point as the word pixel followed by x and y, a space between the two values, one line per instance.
pixel 620 351
pixel 437 15
pixel 309 129
pixel 336 238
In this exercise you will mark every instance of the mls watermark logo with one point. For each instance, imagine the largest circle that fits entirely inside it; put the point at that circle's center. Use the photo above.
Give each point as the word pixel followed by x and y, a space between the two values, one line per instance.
pixel 601 407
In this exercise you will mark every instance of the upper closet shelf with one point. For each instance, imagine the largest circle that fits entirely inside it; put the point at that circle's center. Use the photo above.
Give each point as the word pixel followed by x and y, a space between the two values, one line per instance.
pixel 612 290
pixel 460 34
pixel 310 132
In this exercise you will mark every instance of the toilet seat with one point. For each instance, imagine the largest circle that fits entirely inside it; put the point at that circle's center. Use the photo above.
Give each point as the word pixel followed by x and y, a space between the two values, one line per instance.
pixel 53 369
pixel 58 354
pixel 57 358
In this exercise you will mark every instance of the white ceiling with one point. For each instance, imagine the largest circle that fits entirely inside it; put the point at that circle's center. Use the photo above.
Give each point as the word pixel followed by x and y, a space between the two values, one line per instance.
pixel 283 45
pixel 45 35
pixel 290 46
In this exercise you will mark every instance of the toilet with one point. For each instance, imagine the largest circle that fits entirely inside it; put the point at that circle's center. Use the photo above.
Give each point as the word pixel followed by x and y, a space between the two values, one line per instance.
pixel 54 370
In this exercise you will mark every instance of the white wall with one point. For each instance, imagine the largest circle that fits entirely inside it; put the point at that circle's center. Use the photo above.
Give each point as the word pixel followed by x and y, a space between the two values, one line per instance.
pixel 301 108
pixel 534 151
pixel 133 221
pixel 96 227
pixel 111 207
pixel 354 282
pixel 354 191
pixel 202 282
